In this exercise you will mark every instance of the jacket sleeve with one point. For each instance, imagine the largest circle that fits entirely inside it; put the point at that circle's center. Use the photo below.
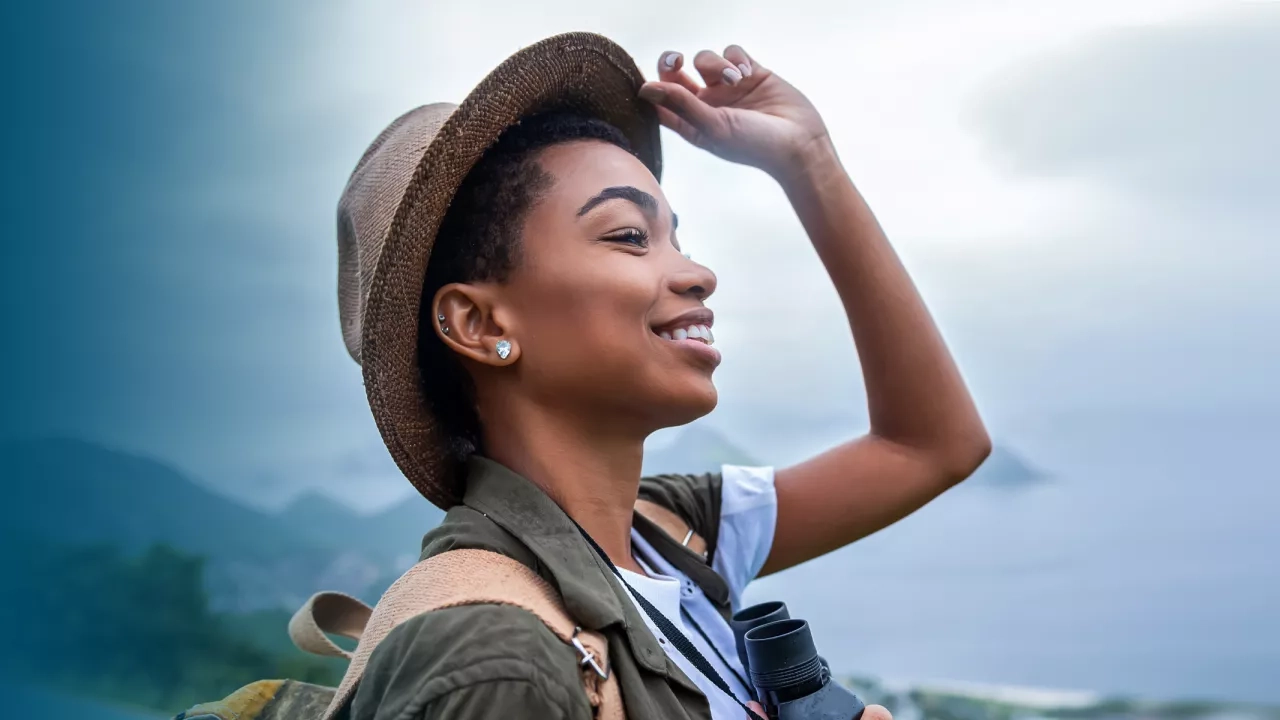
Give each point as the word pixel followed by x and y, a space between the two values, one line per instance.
pixel 695 498
pixel 468 663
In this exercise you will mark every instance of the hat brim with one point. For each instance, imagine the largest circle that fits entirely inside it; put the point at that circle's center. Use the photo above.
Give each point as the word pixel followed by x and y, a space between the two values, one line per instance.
pixel 582 72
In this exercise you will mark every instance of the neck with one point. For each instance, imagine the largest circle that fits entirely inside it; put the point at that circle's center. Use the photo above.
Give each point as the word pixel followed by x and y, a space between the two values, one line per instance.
pixel 590 470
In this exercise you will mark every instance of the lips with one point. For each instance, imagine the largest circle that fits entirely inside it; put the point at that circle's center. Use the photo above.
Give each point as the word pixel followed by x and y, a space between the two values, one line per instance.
pixel 691 333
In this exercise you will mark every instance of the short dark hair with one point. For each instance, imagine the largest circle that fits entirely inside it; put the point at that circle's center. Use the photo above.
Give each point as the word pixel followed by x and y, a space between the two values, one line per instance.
pixel 479 240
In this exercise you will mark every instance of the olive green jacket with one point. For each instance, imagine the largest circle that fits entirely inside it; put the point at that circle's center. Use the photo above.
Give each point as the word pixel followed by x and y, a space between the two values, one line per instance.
pixel 491 661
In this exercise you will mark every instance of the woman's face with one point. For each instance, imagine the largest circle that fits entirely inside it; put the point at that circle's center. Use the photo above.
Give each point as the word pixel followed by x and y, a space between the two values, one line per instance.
pixel 601 294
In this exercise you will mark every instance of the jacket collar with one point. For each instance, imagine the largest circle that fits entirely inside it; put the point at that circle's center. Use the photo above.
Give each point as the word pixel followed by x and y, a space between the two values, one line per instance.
pixel 591 592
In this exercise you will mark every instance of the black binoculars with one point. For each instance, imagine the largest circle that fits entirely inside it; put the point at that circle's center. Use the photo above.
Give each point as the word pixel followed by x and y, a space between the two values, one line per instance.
pixel 788 677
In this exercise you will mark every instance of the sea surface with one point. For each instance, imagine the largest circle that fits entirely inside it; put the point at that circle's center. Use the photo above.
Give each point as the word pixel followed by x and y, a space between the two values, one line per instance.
pixel 34 703
pixel 1148 564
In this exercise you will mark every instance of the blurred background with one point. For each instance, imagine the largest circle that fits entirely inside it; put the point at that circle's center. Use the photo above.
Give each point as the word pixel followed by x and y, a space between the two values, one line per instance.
pixel 1087 193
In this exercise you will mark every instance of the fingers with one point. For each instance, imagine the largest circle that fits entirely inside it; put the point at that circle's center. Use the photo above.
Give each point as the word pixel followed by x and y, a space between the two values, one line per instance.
pixel 682 128
pixel 757 708
pixel 695 120
pixel 876 712
pixel 670 69
pixel 715 70
pixel 740 59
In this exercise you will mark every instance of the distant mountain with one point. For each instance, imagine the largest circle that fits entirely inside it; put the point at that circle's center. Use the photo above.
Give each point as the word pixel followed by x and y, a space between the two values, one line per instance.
pixel 76 493
pixel 1005 468
pixel 315 515
pixel 393 535
pixel 79 493
pixel 696 449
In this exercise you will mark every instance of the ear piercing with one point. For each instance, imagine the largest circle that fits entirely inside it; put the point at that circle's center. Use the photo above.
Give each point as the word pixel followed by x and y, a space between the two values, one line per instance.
pixel 502 347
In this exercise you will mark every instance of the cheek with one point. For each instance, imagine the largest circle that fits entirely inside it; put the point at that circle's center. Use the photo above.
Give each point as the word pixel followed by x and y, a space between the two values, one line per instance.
pixel 585 340
pixel 584 322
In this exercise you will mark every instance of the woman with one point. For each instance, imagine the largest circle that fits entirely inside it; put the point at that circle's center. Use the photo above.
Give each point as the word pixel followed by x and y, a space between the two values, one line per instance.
pixel 514 288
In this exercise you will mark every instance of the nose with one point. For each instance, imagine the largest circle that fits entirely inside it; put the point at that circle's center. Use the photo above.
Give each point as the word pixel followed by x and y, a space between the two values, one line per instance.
pixel 693 279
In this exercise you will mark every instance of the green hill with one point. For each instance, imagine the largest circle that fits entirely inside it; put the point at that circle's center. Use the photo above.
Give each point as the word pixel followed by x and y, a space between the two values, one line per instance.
pixel 76 494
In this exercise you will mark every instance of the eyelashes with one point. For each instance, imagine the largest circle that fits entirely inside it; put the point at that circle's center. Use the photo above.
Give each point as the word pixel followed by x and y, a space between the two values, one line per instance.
pixel 633 237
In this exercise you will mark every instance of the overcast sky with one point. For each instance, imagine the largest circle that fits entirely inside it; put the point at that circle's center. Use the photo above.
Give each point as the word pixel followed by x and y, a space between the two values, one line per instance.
pixel 1085 191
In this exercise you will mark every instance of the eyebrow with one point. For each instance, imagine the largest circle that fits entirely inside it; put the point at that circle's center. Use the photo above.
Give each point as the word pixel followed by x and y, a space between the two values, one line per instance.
pixel 635 195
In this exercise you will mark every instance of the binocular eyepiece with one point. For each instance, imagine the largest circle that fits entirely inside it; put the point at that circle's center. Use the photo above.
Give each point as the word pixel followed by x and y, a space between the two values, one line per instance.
pixel 788 676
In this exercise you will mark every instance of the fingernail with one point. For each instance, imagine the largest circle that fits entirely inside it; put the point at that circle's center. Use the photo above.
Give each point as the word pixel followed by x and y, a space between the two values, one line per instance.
pixel 669 60
pixel 746 69
pixel 652 93
pixel 732 76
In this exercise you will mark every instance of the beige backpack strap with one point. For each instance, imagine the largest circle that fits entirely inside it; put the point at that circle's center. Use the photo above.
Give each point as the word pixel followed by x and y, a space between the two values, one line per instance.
pixel 328 613
pixel 673 525
pixel 471 577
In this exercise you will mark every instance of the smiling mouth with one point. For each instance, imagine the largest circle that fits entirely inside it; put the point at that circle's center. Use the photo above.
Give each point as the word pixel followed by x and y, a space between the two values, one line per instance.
pixel 696 332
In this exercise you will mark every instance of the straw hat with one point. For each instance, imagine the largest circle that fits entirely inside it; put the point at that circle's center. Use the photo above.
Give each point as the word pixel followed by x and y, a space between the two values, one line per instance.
pixel 397 196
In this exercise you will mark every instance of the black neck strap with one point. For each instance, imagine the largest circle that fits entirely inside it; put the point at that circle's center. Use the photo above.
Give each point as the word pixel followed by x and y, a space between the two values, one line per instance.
pixel 668 628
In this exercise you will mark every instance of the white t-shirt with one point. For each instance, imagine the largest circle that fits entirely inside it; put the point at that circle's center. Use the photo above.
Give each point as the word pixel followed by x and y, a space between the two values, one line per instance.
pixel 748 515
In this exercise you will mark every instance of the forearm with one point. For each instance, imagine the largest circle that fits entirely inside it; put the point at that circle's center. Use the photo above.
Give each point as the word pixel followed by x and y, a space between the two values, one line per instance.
pixel 915 394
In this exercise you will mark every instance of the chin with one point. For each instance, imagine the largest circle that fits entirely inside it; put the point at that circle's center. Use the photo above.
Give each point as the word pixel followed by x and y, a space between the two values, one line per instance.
pixel 693 401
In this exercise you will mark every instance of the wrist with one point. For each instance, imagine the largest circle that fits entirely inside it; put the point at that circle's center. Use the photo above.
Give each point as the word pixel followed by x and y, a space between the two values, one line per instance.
pixel 813 164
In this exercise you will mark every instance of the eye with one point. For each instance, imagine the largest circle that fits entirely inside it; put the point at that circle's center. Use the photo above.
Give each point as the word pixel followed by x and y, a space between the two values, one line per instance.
pixel 632 236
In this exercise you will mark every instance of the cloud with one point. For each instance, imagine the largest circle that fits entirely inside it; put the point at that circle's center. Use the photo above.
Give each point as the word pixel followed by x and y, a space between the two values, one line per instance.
pixel 1051 270
pixel 1179 112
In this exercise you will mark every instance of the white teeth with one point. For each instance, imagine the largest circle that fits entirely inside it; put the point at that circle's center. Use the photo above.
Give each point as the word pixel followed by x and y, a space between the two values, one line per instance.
pixel 693 332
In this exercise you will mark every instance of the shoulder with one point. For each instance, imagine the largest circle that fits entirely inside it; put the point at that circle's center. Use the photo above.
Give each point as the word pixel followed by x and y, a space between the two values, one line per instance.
pixel 465 528
pixel 471 661
pixel 745 488
pixel 748 521
pixel 694 497
pixel 707 501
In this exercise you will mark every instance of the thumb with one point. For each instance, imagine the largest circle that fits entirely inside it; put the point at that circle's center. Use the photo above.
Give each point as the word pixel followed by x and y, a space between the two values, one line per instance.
pixel 757 708
pixel 876 712
pixel 706 120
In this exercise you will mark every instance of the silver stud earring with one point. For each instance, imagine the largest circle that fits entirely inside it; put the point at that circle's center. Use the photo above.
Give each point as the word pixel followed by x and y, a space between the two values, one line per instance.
pixel 504 349
pixel 687 256
pixel 443 328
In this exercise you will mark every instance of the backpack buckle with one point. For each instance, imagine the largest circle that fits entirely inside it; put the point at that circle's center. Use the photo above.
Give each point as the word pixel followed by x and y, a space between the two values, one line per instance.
pixel 588 659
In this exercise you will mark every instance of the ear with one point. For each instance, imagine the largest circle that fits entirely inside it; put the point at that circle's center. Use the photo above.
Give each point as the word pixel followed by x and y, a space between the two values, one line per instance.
pixel 475 322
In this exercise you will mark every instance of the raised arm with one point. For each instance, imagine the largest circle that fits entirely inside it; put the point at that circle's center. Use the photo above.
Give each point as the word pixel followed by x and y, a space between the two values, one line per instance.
pixel 925 433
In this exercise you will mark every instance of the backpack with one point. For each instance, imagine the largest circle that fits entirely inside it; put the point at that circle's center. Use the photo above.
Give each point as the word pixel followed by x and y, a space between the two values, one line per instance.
pixel 450 579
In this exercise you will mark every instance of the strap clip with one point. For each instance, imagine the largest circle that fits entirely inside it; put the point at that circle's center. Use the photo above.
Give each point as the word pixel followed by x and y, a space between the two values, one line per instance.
pixel 588 659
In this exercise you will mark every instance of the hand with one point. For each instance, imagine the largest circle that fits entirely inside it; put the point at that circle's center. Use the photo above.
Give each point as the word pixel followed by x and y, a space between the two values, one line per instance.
pixel 743 113
pixel 872 712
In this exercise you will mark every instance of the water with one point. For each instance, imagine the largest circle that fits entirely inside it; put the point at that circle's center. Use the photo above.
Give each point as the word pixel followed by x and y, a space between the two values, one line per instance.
pixel 27 702
pixel 1149 565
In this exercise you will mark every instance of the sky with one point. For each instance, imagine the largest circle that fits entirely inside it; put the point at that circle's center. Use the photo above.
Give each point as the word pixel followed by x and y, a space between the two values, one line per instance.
pixel 1085 192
